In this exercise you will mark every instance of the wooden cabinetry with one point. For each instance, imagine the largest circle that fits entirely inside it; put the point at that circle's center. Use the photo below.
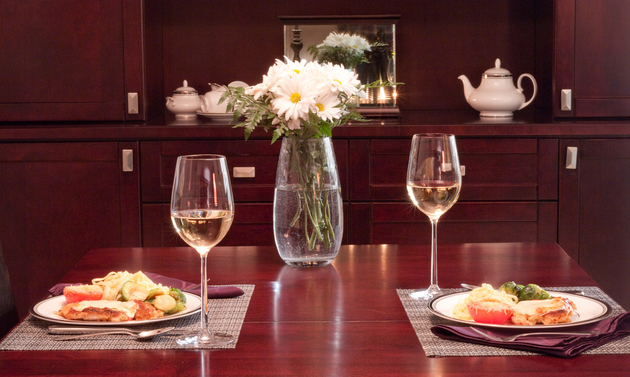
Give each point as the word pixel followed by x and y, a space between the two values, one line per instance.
pixel 79 60
pixel 253 218
pixel 592 58
pixel 595 212
pixel 59 200
pixel 509 192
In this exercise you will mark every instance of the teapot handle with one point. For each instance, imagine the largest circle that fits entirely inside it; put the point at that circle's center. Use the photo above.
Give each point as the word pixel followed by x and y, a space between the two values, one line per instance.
pixel 520 88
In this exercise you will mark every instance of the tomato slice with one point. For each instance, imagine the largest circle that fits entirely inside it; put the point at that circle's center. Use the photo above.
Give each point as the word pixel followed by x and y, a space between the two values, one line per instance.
pixel 76 293
pixel 496 313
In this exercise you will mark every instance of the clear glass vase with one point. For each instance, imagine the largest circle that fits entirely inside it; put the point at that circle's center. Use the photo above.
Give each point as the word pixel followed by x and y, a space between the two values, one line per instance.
pixel 307 205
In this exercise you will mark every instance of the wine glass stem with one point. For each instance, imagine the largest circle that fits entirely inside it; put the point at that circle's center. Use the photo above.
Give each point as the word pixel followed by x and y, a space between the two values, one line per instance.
pixel 434 267
pixel 204 333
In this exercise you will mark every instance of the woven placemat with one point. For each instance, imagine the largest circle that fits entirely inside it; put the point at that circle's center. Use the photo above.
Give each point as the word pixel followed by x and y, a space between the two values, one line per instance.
pixel 422 320
pixel 226 316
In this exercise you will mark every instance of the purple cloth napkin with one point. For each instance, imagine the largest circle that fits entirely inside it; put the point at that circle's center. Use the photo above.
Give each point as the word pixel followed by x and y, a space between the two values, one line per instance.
pixel 562 346
pixel 213 292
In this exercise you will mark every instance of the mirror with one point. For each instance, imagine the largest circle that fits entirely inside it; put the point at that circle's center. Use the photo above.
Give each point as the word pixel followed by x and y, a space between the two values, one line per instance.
pixel 300 33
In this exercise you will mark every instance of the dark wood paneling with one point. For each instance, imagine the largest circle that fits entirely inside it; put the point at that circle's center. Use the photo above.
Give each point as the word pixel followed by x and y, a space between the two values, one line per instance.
pixel 130 226
pixel 58 201
pixel 605 214
pixel 564 53
pixel 548 169
pixel 253 225
pixel 592 57
pixel 455 40
pixel 360 223
pixel 65 57
pixel 465 222
pixel 158 172
pixel 569 200
pixel 359 170
pixel 496 169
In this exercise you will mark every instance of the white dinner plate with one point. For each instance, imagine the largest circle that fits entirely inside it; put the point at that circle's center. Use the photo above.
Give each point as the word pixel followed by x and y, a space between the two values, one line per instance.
pixel 218 117
pixel 588 310
pixel 46 310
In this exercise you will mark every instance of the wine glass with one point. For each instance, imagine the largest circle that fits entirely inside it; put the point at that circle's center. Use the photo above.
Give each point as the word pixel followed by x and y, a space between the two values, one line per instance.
pixel 433 183
pixel 202 209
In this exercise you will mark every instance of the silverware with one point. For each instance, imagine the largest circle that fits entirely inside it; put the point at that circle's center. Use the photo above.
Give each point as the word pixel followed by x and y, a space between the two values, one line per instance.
pixel 471 287
pixel 514 337
pixel 92 331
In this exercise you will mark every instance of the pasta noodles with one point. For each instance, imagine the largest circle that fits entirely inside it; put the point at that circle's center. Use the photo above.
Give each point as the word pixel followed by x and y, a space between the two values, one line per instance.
pixel 483 293
pixel 113 282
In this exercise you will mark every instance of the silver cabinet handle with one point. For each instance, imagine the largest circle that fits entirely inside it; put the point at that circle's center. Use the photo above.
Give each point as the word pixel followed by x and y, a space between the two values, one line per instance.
pixel 462 169
pixel 572 153
pixel 565 100
pixel 127 160
pixel 132 103
pixel 244 172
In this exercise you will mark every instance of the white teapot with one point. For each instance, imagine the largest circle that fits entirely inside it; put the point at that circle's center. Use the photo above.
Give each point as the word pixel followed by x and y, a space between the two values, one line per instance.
pixel 210 100
pixel 496 96
pixel 184 103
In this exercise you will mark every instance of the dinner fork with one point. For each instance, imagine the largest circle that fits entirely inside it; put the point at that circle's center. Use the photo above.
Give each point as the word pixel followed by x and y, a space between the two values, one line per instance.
pixel 511 338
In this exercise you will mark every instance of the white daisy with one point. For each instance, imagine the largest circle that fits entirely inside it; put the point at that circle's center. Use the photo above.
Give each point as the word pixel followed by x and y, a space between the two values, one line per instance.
pixel 294 97
pixel 344 81
pixel 326 106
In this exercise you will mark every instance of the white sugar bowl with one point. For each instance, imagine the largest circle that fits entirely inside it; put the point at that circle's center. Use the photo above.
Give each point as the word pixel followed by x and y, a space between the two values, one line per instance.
pixel 184 102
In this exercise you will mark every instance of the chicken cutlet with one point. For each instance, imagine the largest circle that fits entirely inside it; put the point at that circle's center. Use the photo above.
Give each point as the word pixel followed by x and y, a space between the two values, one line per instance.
pixel 109 311
pixel 548 312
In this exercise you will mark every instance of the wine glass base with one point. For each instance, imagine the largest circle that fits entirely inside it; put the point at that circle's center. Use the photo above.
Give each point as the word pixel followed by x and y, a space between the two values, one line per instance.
pixel 426 294
pixel 198 339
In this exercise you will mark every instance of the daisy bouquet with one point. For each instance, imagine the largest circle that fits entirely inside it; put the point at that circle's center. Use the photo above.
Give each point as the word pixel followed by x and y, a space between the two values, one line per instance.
pixel 298 99
pixel 302 102
pixel 341 48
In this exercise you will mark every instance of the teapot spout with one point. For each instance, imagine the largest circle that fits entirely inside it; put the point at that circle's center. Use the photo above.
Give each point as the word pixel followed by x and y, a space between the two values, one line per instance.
pixel 468 88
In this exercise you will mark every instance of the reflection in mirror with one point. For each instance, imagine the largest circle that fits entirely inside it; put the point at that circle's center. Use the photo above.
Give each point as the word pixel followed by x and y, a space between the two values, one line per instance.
pixel 300 33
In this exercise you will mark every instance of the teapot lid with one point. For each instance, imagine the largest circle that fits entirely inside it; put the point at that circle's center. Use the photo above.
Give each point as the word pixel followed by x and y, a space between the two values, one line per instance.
pixel 185 89
pixel 497 71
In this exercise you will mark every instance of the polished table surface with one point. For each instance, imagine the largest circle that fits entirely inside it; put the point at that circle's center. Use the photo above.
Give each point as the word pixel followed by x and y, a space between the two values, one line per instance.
pixel 340 320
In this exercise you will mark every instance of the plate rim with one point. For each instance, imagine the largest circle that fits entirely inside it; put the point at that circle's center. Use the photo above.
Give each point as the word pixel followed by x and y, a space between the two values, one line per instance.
pixel 607 312
pixel 60 320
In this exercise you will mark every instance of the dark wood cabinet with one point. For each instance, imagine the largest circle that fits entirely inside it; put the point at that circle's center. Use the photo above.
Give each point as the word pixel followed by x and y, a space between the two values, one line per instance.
pixel 60 200
pixel 592 58
pixel 509 192
pixel 595 212
pixel 253 218
pixel 80 60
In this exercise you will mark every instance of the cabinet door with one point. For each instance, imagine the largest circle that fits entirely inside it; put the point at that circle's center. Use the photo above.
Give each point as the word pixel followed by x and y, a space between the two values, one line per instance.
pixel 59 200
pixel 509 193
pixel 77 60
pixel 596 196
pixel 592 58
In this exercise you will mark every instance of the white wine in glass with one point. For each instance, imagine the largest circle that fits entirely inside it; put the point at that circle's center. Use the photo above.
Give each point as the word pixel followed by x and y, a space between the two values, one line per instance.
pixel 433 183
pixel 202 210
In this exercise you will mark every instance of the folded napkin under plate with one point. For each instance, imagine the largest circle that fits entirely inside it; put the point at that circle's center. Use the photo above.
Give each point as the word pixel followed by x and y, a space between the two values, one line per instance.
pixel 213 292
pixel 606 331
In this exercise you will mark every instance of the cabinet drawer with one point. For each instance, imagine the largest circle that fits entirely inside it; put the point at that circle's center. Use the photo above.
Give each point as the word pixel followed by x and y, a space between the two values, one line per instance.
pixel 466 222
pixel 252 226
pixel 159 159
pixel 495 169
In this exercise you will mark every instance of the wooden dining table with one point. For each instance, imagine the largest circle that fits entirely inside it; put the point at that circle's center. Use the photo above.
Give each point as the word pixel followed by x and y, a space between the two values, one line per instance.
pixel 345 319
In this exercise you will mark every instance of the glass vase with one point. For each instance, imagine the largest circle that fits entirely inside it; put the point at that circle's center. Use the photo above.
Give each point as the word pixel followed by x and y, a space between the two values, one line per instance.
pixel 307 205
